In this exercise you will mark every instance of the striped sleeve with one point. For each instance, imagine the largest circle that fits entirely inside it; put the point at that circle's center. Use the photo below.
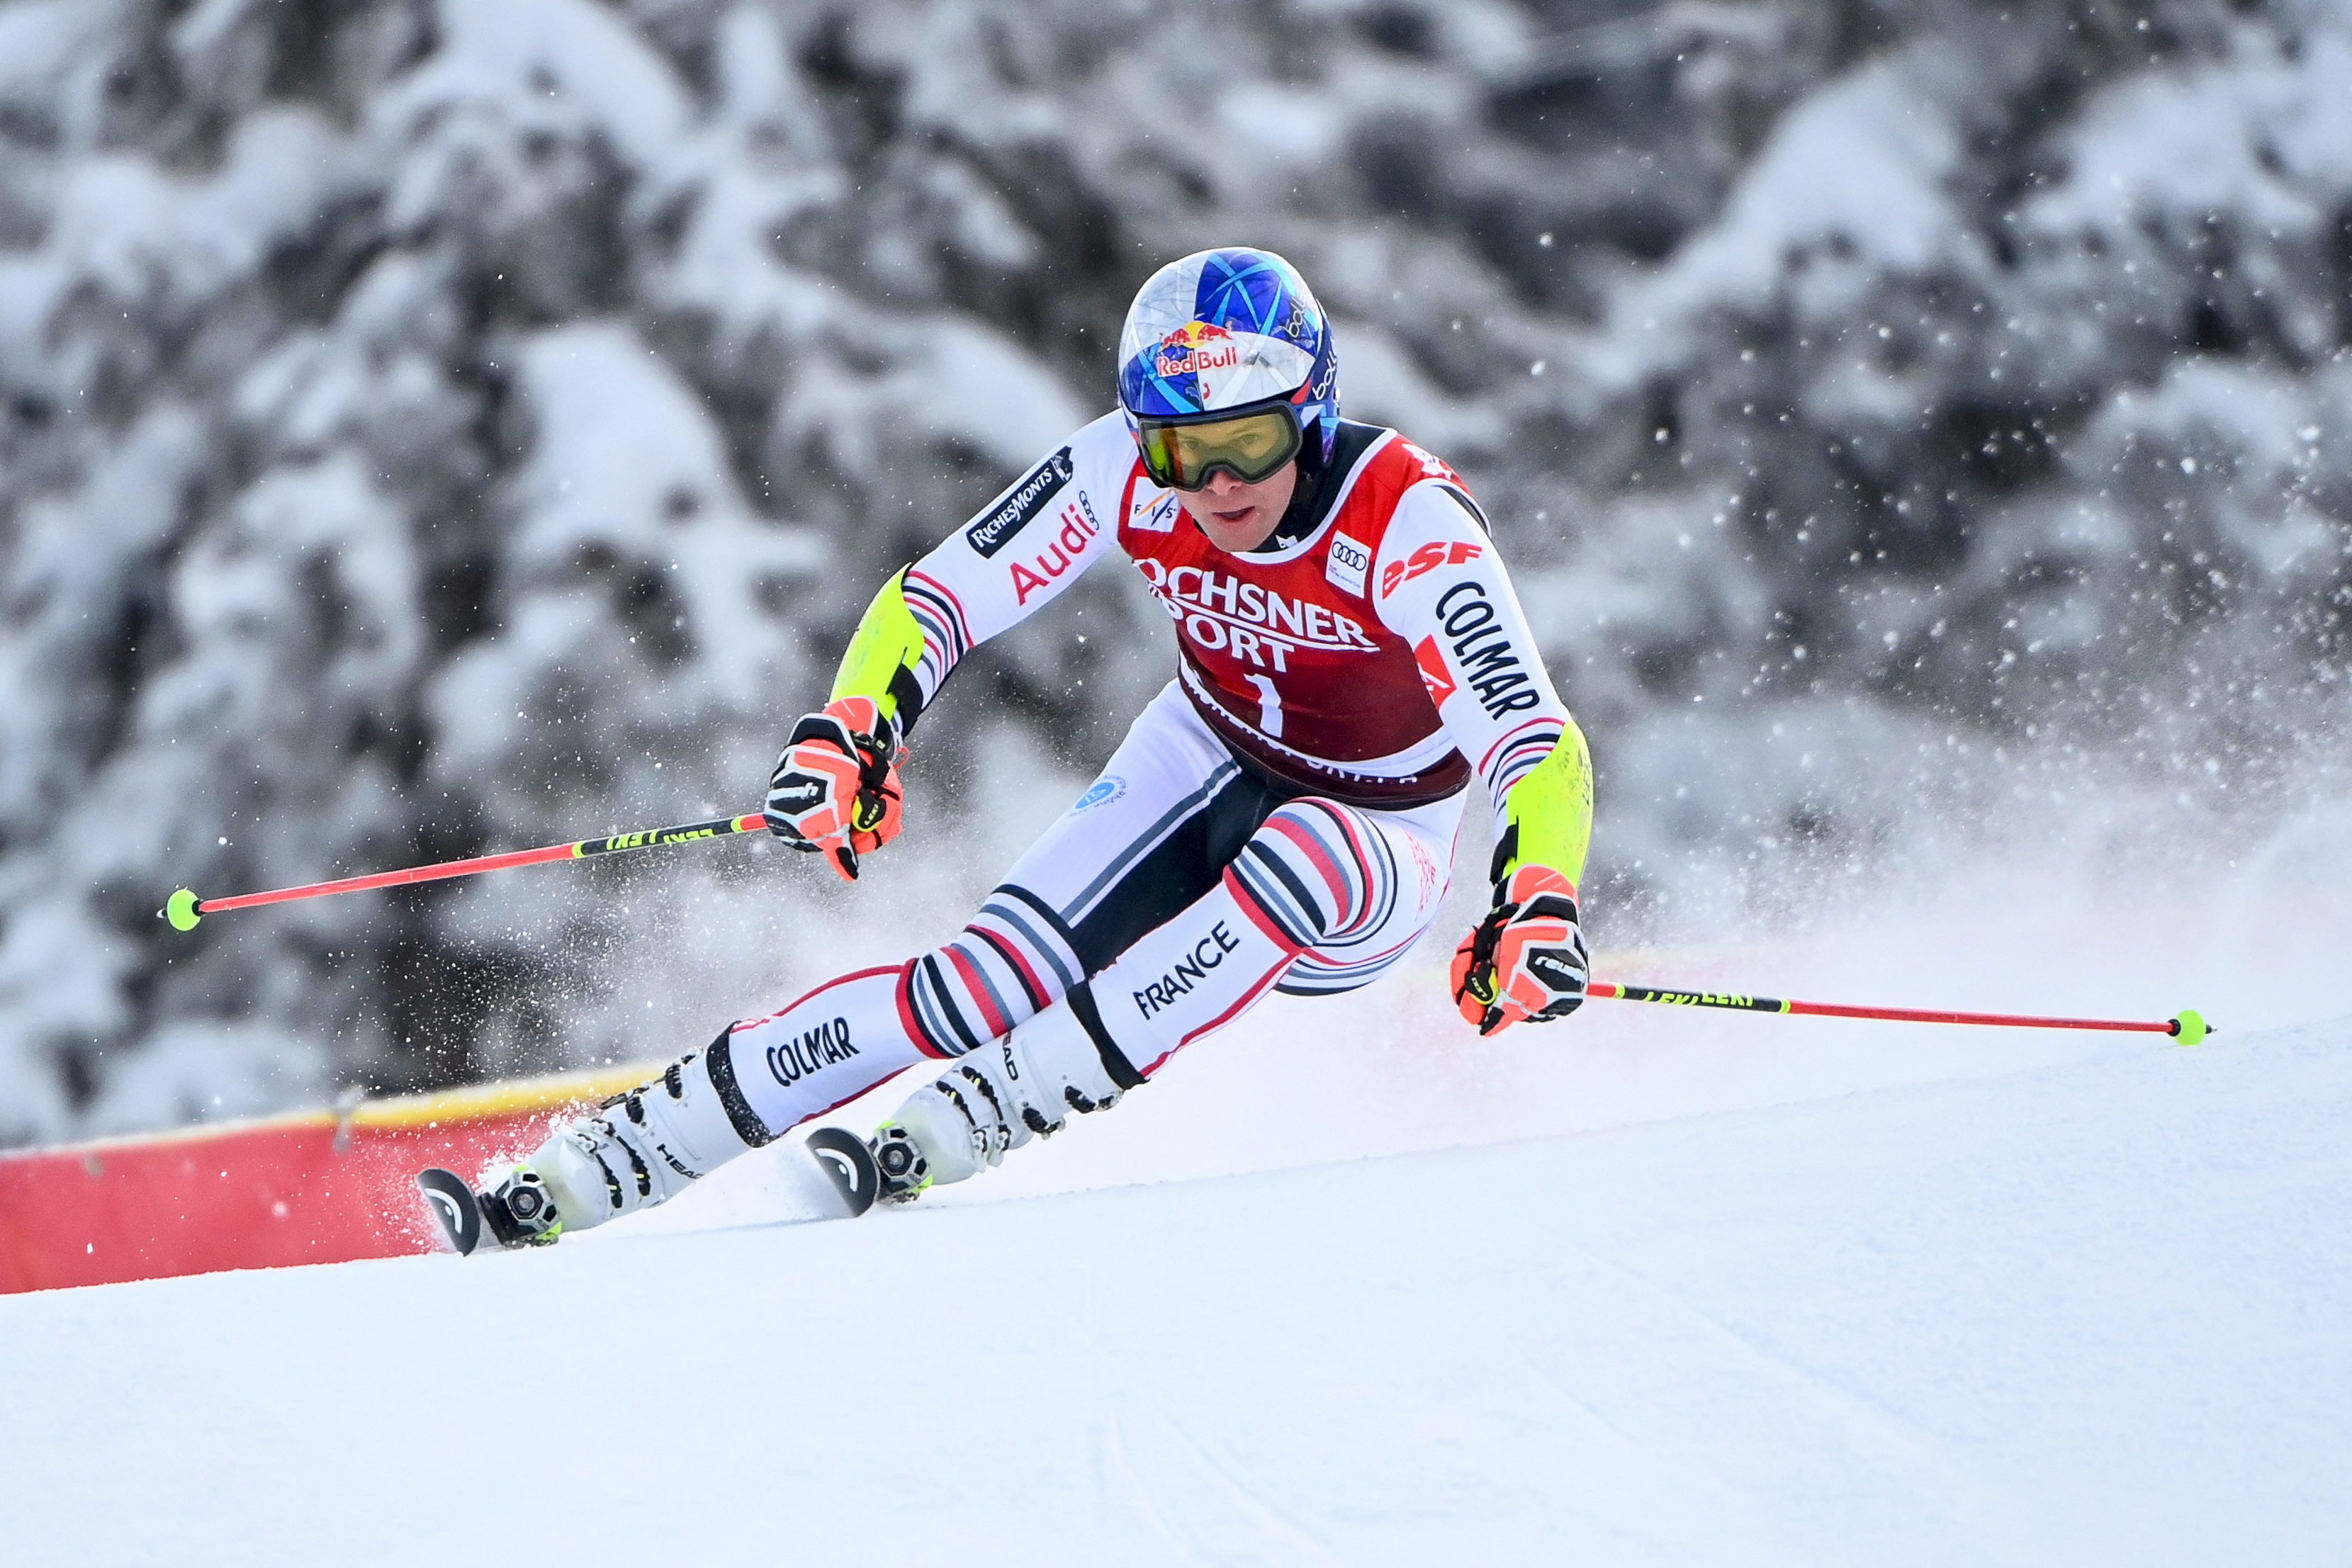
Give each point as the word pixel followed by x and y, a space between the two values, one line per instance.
pixel 1439 584
pixel 946 637
pixel 1019 552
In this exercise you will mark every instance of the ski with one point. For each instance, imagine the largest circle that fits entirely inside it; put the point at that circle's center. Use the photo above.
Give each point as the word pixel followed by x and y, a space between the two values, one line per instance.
pixel 467 1220
pixel 454 1208
pixel 504 1219
pixel 849 1163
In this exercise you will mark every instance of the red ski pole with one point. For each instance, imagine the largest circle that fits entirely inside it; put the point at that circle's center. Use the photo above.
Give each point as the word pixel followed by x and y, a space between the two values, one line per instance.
pixel 2188 1029
pixel 184 909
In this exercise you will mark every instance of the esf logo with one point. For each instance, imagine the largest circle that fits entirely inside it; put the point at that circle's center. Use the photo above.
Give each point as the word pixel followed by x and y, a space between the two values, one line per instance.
pixel 1428 557
pixel 820 1047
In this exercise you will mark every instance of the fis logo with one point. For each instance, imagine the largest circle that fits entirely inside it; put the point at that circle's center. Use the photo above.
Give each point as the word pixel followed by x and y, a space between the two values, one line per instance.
pixel 1194 347
pixel 1152 511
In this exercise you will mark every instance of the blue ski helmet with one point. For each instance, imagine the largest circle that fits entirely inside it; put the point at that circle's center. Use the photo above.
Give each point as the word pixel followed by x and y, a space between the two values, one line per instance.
pixel 1225 331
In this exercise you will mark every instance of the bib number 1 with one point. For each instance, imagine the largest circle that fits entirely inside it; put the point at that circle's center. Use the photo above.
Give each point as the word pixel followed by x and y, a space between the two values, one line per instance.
pixel 1269 706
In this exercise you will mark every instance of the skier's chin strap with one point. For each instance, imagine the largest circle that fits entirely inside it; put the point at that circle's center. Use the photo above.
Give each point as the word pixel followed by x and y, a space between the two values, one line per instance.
pixel 882 655
pixel 1548 814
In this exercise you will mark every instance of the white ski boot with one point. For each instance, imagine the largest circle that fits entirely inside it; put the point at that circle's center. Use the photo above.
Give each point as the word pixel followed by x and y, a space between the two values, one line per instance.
pixel 991 1101
pixel 636 1150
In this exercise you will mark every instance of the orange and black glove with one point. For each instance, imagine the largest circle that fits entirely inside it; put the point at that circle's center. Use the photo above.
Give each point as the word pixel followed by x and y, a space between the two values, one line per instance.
pixel 836 790
pixel 1527 959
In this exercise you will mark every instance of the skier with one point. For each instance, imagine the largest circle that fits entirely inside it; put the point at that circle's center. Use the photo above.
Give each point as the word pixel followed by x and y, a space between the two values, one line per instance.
pixel 1282 815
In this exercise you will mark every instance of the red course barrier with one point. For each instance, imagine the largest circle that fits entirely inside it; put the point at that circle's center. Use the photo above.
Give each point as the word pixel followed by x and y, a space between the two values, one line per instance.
pixel 308 1187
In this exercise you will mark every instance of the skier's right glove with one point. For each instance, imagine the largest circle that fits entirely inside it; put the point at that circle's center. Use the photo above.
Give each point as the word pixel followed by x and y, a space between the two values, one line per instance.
pixel 836 788
pixel 1527 959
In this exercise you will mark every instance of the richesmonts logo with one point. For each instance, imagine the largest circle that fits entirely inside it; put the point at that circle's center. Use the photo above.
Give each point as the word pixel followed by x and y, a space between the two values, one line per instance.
pixel 1020 504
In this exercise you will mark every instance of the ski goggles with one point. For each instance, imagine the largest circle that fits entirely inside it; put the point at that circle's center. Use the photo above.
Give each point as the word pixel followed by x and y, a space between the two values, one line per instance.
pixel 1182 454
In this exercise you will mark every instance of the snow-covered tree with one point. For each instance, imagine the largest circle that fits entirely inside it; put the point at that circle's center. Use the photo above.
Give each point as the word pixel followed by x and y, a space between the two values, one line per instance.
pixel 433 427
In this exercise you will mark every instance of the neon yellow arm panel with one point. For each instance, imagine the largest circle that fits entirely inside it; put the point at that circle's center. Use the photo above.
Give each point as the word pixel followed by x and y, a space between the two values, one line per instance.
pixel 1548 814
pixel 882 656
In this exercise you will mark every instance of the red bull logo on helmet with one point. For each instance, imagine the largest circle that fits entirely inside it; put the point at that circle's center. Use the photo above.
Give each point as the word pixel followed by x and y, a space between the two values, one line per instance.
pixel 1194 347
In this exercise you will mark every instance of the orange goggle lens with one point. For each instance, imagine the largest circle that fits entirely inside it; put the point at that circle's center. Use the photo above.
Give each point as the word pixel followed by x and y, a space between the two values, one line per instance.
pixel 1253 447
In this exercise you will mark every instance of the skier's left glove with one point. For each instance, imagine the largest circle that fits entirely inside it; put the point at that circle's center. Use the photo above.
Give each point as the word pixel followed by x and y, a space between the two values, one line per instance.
pixel 836 790
pixel 1527 959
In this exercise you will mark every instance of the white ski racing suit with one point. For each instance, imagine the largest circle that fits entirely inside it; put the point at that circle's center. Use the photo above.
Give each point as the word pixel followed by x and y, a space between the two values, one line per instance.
pixel 1281 815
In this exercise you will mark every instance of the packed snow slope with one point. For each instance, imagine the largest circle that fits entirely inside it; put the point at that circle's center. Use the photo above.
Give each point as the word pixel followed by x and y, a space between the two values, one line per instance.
pixel 2030 1299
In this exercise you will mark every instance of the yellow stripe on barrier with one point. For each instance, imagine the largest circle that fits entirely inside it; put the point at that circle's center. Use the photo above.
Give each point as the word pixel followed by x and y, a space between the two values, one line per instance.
pixel 473 1101
pixel 513 1097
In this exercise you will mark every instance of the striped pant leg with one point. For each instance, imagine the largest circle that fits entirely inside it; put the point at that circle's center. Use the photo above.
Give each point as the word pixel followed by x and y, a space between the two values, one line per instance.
pixel 1409 879
pixel 1328 893
pixel 1011 962
pixel 1139 846
pixel 1353 889
pixel 823 1049
pixel 1185 884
